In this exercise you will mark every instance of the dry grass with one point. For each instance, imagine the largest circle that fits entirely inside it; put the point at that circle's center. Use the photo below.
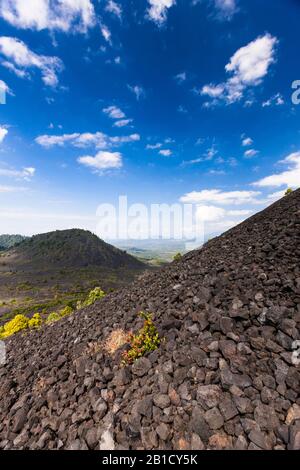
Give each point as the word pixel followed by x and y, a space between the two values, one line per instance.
pixel 115 341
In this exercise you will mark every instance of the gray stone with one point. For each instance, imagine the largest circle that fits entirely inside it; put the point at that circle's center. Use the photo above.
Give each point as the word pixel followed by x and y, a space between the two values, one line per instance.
pixel 228 409
pixel 214 418
pixel 163 431
pixel 162 401
pixel 209 395
pixel 141 367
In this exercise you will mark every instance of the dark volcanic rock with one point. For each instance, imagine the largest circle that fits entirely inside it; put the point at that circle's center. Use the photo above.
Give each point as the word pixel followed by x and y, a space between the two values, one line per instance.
pixel 224 377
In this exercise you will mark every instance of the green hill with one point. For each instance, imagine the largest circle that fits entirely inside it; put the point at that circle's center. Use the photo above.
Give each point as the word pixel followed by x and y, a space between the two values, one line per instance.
pixel 59 268
pixel 71 248
pixel 9 241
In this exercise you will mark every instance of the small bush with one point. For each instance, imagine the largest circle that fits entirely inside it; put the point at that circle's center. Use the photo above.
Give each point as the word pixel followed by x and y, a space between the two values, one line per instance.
pixel 53 317
pixel 66 311
pixel 36 321
pixel 19 323
pixel 288 191
pixel 146 341
pixel 177 257
pixel 93 296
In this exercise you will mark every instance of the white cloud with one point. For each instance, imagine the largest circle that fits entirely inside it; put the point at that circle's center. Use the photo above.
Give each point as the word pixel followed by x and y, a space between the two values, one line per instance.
pixel 277 195
pixel 210 213
pixel 181 77
pixel 106 33
pixel 63 15
pixel 165 153
pixel 226 8
pixel 114 112
pixel 153 146
pixel 102 161
pixel 289 177
pixel 158 10
pixel 276 100
pixel 21 58
pixel 3 133
pixel 125 139
pixel 215 213
pixel 138 91
pixel 123 123
pixel 247 141
pixel 114 8
pixel 221 197
pixel 248 66
pixel 251 153
pixel 25 174
pixel 213 91
pixel 98 140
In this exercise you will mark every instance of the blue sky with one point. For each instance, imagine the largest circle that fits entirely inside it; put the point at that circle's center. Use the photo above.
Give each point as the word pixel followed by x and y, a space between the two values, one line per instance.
pixel 158 100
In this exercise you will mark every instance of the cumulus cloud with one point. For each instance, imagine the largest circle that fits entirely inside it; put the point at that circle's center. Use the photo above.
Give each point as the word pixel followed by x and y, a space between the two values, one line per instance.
pixel 98 140
pixel 3 133
pixel 289 177
pixel 221 197
pixel 251 153
pixel 123 123
pixel 66 15
pixel 247 141
pixel 247 67
pixel 166 153
pixel 214 213
pixel 102 161
pixel 213 91
pixel 114 112
pixel 153 146
pixel 24 174
pixel 20 60
pixel 158 10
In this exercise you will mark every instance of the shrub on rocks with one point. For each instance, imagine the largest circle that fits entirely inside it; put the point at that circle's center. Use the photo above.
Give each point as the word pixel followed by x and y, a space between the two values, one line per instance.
pixel 20 323
pixel 147 340
pixel 93 296
pixel 52 317
pixel 36 321
pixel 177 257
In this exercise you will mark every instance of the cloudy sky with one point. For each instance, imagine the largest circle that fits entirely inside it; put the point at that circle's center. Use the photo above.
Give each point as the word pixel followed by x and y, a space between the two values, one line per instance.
pixel 163 101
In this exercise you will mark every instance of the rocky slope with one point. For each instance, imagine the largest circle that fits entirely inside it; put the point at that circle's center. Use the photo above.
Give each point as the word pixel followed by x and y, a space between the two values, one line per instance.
pixel 225 376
